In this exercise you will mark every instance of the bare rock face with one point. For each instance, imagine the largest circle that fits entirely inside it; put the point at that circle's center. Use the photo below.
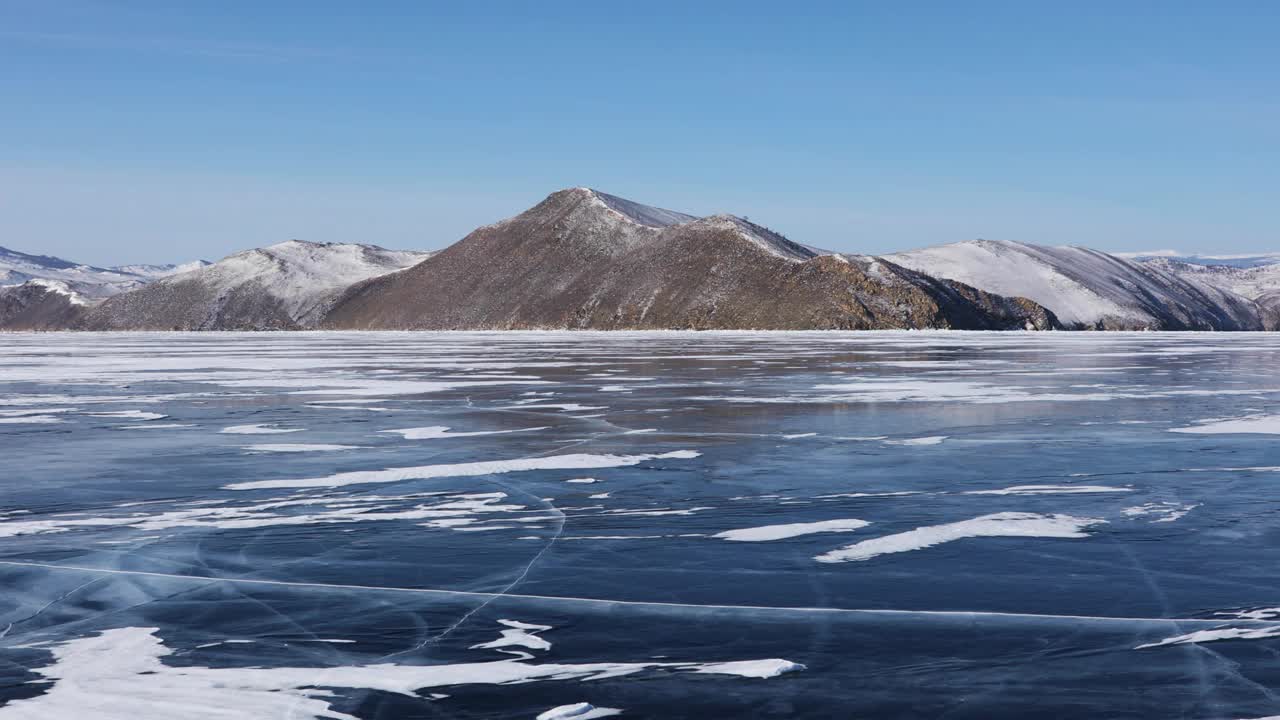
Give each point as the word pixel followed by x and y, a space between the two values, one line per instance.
pixel 40 305
pixel 584 259
pixel 287 286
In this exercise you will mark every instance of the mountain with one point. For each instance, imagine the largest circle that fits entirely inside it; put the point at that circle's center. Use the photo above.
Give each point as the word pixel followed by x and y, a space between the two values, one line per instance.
pixel 1238 261
pixel 281 287
pixel 586 259
pixel 155 272
pixel 1256 280
pixel 40 305
pixel 41 292
pixel 86 281
pixel 1251 282
pixel 1088 289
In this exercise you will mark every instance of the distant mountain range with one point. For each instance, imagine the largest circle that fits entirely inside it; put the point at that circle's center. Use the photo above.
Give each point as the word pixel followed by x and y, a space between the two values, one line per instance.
pixel 583 259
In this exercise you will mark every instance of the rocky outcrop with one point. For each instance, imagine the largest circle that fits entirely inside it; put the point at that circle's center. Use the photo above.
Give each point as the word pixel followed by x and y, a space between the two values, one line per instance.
pixel 40 305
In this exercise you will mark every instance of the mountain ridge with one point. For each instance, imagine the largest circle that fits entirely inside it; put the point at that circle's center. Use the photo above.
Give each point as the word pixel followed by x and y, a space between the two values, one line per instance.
pixel 575 261
pixel 584 258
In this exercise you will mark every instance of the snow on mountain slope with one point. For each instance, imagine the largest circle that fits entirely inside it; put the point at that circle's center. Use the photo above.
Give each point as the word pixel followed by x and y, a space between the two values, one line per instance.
pixel 766 239
pixel 1086 288
pixel 85 281
pixel 60 288
pixel 283 286
pixel 155 272
pixel 1251 282
pixel 1003 268
pixel 301 274
pixel 643 214
pixel 1243 260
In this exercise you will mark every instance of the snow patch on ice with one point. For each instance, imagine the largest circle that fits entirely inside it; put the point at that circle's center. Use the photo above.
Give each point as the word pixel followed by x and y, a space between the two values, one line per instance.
pixel 752 668
pixel 517 634
pixel 261 429
pixel 1252 425
pixel 297 448
pixel 1204 636
pixel 781 532
pixel 128 414
pixel 121 673
pixel 579 461
pixel 1163 511
pixel 578 711
pixel 931 440
pixel 443 431
pixel 31 420
pixel 1050 490
pixel 1005 524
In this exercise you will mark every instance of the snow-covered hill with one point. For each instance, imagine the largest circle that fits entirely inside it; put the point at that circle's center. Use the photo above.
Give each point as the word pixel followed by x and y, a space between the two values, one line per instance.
pixel 86 282
pixel 1237 261
pixel 1087 288
pixel 283 286
pixel 1251 282
pixel 155 272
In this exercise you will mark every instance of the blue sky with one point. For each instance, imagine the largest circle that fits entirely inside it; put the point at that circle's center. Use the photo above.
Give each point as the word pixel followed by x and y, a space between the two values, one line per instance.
pixel 137 131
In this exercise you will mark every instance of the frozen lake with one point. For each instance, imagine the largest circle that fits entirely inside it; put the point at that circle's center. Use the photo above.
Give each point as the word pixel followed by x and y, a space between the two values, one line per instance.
pixel 670 525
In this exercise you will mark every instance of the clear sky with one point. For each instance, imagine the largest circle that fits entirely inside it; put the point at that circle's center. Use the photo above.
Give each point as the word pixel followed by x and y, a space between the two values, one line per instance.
pixel 139 130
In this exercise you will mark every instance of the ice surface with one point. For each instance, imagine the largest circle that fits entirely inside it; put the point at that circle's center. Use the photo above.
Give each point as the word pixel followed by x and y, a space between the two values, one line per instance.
pixel 669 574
